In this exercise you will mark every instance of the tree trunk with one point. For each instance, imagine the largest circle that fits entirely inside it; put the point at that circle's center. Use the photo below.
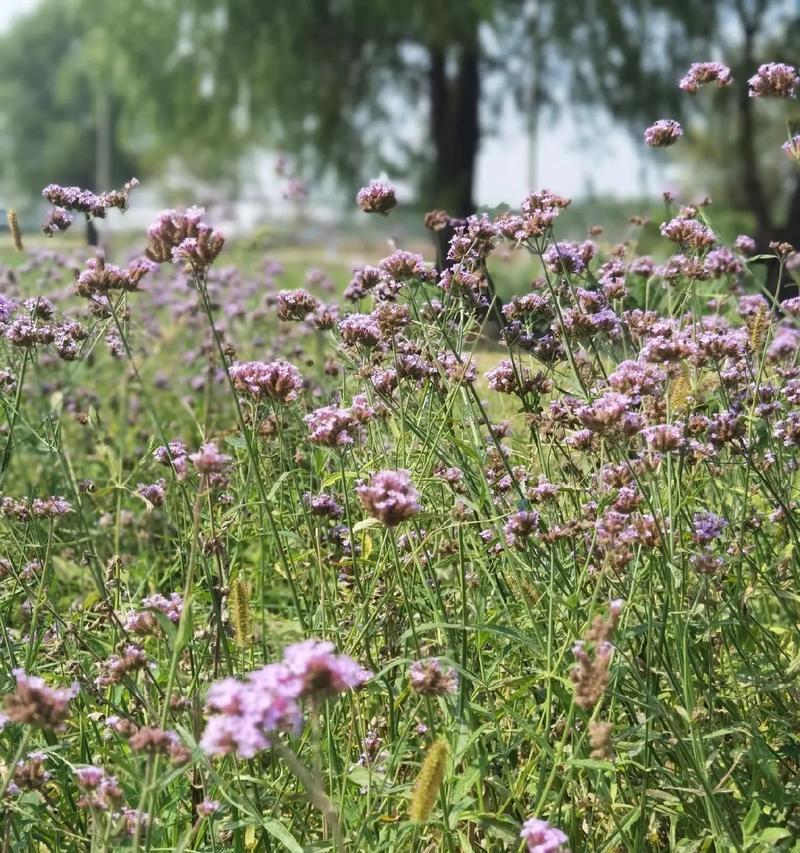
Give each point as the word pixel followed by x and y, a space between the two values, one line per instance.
pixel 455 128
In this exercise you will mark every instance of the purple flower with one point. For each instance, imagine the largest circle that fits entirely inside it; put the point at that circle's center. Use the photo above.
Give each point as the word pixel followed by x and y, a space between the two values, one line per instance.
pixel 296 304
pixel 721 262
pixel 707 527
pixel 171 607
pixel 390 497
pixel 378 197
pixel 332 426
pixel 209 460
pixel 154 493
pixel 541 837
pixel 520 526
pixel 246 713
pixel 663 133
pixel 701 73
pixel 745 245
pixel 774 80
pixel 322 672
pixel 688 232
pixel 429 679
pixel 277 380
pixel 323 504
pixel 36 704
pixel 569 257
pixel 360 330
pixel 183 236
pixel 792 147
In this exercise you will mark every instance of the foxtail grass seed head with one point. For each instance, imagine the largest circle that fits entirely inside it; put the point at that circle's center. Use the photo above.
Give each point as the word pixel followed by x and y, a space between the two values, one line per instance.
pixel 240 612
pixel 429 782
pixel 14 229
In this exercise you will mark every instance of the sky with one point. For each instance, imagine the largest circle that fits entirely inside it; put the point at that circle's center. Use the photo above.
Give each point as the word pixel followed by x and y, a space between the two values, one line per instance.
pixel 614 167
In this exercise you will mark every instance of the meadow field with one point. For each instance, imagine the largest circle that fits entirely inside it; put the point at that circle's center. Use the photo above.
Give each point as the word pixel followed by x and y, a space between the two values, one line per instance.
pixel 491 552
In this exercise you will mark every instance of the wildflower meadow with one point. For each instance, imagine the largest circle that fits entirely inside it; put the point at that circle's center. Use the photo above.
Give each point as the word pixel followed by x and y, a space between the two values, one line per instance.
pixel 402 566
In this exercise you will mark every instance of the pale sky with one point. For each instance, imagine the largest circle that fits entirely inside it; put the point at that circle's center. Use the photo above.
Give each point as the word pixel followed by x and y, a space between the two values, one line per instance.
pixel 612 167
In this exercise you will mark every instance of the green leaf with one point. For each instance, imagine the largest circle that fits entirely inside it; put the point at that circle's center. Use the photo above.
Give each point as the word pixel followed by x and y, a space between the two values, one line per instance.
pixel 278 830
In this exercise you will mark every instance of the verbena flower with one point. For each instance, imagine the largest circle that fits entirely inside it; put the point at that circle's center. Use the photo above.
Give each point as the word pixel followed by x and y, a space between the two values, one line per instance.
pixel 181 235
pixel 378 197
pixel 663 133
pixel 276 380
pixel 700 73
pixel 390 497
pixel 246 714
pixel 36 704
pixel 540 837
pixel 774 80
pixel 428 678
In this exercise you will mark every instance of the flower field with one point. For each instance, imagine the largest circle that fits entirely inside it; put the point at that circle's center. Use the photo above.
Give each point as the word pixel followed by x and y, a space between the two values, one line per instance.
pixel 285 568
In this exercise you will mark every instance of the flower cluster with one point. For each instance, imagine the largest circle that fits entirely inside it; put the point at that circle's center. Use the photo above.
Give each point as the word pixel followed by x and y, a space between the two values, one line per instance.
pixel 378 197
pixel 245 714
pixel 390 497
pixel 182 236
pixel 700 73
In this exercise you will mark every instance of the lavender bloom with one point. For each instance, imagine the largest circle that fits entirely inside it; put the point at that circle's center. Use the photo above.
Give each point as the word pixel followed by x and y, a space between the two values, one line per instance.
pixel 332 426
pixel 36 704
pixel 360 330
pixel 707 527
pixel 58 220
pixel 208 460
pixel 701 73
pixel 688 232
pixel 323 504
pixel 721 262
pixel 100 278
pixel 402 266
pixel 154 493
pixel 427 678
pixel 390 497
pixel 792 147
pixel 85 201
pixel 566 256
pixel 774 80
pixel 171 607
pixel 183 236
pixel 246 713
pixel 167 454
pixel 277 380
pixel 605 413
pixel 207 807
pixel 378 197
pixel 320 671
pixel 663 133
pixel 296 304
pixel 541 837
pixel 745 245
pixel 520 526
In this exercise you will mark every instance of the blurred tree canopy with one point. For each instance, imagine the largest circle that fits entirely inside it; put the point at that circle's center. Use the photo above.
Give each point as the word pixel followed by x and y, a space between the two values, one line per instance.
pixel 347 85
pixel 57 111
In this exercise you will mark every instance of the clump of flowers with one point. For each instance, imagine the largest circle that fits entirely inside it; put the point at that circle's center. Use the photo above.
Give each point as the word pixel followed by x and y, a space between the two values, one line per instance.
pixel 378 197
pixel 700 73
pixel 246 714
pixel 540 837
pixel 82 201
pixel 296 304
pixel 276 380
pixel 390 497
pixel 182 236
pixel 428 678
pixel 36 704
pixel 591 674
pixel 774 80
pixel 663 133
